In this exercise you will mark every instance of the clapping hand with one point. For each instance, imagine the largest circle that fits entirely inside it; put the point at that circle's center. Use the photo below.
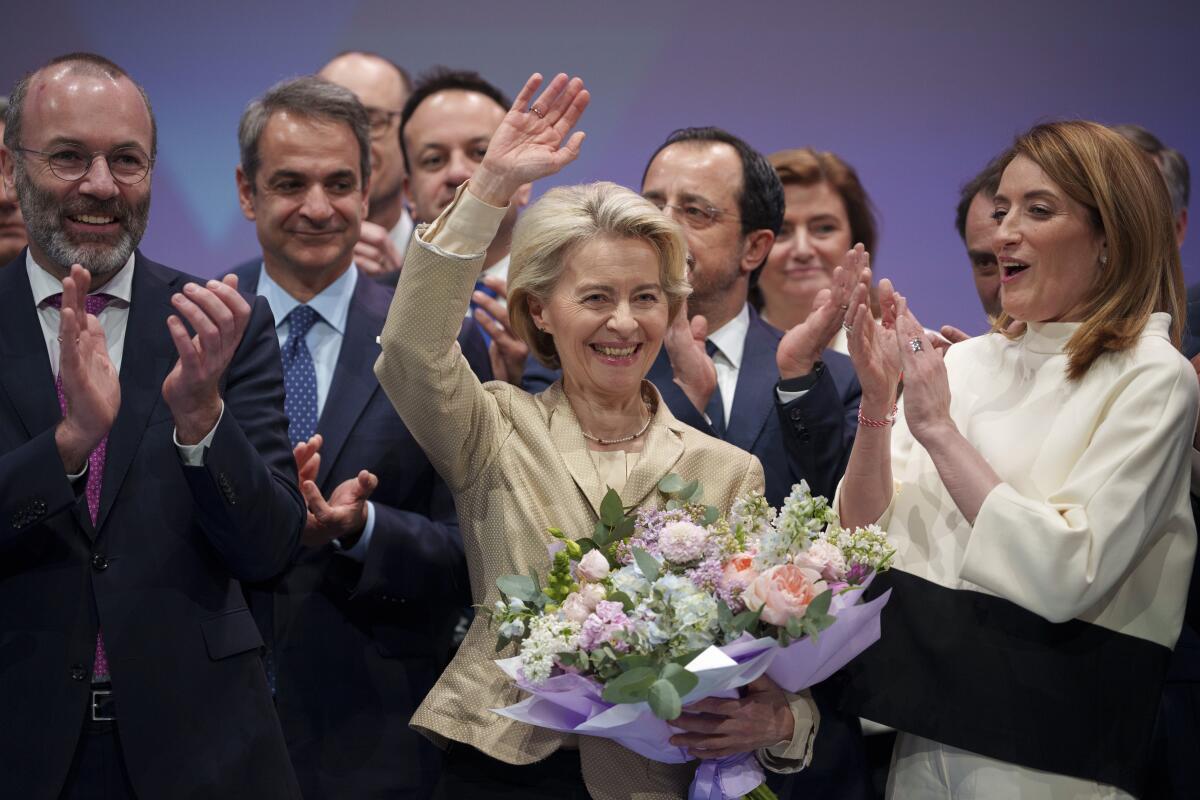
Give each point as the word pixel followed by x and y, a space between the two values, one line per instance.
pixel 90 382
pixel 507 352
pixel 926 386
pixel 873 347
pixel 801 346
pixel 529 144
pixel 219 315
pixel 376 254
pixel 694 371
pixel 344 514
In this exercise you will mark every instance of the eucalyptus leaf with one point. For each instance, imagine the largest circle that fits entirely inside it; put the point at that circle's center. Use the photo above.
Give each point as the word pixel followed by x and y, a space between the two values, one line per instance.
pixel 671 484
pixel 620 597
pixel 724 615
pixel 689 493
pixel 795 628
pixel 626 528
pixel 664 700
pixel 502 642
pixel 518 586
pixel 631 686
pixel 710 515
pixel 586 545
pixel 746 620
pixel 634 661
pixel 683 680
pixel 602 535
pixel 646 564
pixel 820 603
pixel 611 510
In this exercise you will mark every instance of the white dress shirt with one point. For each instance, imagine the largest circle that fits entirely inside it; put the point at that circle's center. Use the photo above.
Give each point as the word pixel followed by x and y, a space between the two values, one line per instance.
pixel 402 231
pixel 324 340
pixel 730 340
pixel 114 318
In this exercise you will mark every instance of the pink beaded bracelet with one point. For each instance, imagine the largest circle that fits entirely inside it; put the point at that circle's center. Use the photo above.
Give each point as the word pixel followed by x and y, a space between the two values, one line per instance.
pixel 877 423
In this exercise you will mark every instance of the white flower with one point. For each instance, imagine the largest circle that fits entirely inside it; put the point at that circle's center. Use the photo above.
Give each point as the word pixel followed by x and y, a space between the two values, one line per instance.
pixel 513 629
pixel 516 605
pixel 593 566
pixel 682 542
pixel 549 635
pixel 629 580
pixel 592 593
pixel 696 611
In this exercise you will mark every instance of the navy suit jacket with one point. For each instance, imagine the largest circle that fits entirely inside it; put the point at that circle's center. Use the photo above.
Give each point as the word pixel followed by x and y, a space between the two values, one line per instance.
pixel 358 645
pixel 159 569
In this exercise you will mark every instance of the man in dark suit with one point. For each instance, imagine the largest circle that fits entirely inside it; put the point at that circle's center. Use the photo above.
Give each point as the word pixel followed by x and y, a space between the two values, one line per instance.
pixel 360 626
pixel 783 397
pixel 133 502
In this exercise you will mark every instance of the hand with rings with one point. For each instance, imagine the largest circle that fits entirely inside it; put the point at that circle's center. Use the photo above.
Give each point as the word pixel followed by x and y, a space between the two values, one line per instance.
pixel 926 387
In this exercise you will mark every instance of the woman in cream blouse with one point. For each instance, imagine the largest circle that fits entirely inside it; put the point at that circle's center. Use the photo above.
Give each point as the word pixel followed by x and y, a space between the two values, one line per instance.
pixel 597 273
pixel 1036 486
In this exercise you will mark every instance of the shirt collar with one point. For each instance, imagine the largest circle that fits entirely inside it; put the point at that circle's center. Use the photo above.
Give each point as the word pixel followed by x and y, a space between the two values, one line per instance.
pixel 730 338
pixel 332 303
pixel 45 285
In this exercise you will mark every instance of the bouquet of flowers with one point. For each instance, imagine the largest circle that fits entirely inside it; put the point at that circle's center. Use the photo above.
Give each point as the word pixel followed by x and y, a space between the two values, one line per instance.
pixel 667 606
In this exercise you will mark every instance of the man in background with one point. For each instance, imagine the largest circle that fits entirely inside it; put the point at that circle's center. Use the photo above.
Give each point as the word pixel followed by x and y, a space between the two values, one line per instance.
pixel 359 628
pixel 382 87
pixel 12 225
pixel 975 225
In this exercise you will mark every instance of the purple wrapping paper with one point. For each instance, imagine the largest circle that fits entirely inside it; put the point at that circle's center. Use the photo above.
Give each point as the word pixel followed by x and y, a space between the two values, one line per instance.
pixel 572 703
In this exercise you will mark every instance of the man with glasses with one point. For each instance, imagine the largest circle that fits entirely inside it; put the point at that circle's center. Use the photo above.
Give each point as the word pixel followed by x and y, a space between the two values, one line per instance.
pixel 382 87
pixel 144 470
pixel 779 396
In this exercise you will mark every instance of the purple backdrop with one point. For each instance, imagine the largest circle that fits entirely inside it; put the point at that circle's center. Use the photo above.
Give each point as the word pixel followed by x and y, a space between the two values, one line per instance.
pixel 917 95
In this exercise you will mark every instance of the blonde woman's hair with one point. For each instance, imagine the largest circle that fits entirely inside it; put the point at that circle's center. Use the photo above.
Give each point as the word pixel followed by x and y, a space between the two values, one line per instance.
pixel 1127 202
pixel 564 219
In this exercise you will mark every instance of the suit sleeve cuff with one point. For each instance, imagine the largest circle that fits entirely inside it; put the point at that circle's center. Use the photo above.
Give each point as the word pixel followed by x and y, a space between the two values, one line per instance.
pixel 466 227
pixel 796 754
pixel 358 551
pixel 192 455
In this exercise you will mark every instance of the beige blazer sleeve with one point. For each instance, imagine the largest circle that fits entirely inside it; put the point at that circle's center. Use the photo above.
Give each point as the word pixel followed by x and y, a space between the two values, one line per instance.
pixel 458 422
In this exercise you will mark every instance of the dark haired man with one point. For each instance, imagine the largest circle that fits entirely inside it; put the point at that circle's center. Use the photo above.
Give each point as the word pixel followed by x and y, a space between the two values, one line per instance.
pixel 781 396
pixel 139 486
pixel 360 626
pixel 382 87
pixel 975 225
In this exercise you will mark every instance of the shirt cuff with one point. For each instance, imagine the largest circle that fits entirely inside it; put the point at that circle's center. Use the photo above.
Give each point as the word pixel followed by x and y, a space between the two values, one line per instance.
pixel 358 551
pixel 787 397
pixel 193 454
pixel 466 227
pixel 794 755
pixel 74 476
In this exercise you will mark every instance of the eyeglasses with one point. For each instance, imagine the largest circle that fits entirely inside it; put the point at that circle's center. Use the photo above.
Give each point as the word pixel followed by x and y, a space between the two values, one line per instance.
pixel 379 120
pixel 696 216
pixel 127 165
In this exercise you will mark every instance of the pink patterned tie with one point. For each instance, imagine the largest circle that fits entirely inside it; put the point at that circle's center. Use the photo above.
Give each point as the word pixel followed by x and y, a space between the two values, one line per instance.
pixel 94 303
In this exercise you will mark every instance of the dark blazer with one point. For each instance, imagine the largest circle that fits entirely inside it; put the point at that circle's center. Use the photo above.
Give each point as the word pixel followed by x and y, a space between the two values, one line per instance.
pixel 358 645
pixel 160 568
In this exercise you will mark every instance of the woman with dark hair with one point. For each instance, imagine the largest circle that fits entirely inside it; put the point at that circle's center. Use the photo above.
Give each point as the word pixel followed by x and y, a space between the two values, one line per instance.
pixel 1036 488
pixel 827 212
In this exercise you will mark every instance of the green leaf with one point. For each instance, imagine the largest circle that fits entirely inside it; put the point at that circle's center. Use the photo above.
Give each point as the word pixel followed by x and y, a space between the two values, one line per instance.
pixel 626 528
pixel 688 493
pixel 611 510
pixel 664 700
pixel 533 576
pixel 683 680
pixel 518 586
pixel 724 615
pixel 646 564
pixel 746 620
pixel 631 686
pixel 710 515
pixel 674 504
pixel 602 535
pixel 586 545
pixel 795 628
pixel 820 603
pixel 671 484
pixel 502 642
pixel 634 661
pixel 620 597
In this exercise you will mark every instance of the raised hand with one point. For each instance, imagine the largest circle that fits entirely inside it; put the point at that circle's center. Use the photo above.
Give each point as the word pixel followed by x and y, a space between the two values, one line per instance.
pixel 342 516
pixel 873 348
pixel 308 458
pixel 507 352
pixel 926 387
pixel 529 144
pixel 376 254
pixel 218 315
pixel 694 370
pixel 801 346
pixel 90 382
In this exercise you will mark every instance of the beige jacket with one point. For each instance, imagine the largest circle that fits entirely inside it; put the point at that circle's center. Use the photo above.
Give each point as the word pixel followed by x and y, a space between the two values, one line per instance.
pixel 518 464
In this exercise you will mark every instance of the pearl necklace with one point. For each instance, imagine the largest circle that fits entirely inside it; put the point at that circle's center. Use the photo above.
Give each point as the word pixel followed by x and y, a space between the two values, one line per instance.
pixel 623 439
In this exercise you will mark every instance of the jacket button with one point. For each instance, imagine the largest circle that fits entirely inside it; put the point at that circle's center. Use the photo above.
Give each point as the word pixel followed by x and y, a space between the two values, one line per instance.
pixel 795 413
pixel 78 673
pixel 99 562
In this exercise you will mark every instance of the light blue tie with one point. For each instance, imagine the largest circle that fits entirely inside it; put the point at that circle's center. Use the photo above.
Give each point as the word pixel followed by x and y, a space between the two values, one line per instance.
pixel 299 376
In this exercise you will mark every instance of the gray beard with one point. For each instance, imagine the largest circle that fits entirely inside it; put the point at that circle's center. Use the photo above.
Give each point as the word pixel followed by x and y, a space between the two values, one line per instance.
pixel 99 255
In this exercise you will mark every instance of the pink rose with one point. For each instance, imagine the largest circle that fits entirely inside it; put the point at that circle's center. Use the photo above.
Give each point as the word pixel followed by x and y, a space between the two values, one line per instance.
pixel 576 608
pixel 739 572
pixel 826 558
pixel 783 592
pixel 592 594
pixel 593 566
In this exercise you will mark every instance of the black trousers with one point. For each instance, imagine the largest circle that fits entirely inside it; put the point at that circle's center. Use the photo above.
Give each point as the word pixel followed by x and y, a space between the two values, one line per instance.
pixel 468 773
pixel 98 769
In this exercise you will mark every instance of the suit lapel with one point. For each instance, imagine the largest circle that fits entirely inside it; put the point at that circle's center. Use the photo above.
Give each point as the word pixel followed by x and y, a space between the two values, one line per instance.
pixel 567 436
pixel 753 400
pixel 354 379
pixel 660 452
pixel 147 358
pixel 26 375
